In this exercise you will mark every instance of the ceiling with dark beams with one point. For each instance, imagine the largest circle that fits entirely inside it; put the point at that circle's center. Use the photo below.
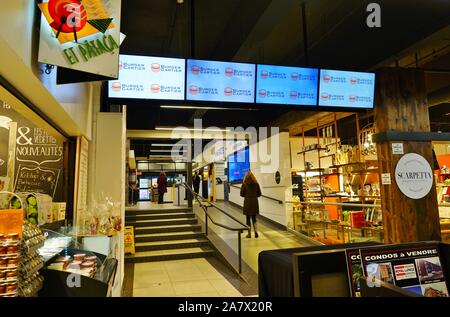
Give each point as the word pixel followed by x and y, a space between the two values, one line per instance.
pixel 271 31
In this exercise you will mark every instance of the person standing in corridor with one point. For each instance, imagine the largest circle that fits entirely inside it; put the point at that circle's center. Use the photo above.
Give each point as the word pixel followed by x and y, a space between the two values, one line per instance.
pixel 196 182
pixel 250 190
pixel 162 187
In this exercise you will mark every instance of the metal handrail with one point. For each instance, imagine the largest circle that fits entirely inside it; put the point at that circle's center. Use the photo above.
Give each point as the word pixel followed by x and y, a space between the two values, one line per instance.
pixel 333 204
pixel 264 196
pixel 202 204
pixel 202 200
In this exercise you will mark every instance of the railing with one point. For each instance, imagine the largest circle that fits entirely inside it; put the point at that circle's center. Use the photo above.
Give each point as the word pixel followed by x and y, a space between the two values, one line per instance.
pixel 264 196
pixel 333 204
pixel 205 204
pixel 320 219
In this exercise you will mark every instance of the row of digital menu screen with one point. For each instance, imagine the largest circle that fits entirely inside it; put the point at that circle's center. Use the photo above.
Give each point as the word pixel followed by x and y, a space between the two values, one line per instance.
pixel 199 80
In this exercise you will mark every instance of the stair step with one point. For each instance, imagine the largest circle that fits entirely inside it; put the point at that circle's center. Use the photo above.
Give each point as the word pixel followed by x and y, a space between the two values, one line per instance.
pixel 132 212
pixel 178 254
pixel 171 245
pixel 166 229
pixel 167 237
pixel 153 223
pixel 159 216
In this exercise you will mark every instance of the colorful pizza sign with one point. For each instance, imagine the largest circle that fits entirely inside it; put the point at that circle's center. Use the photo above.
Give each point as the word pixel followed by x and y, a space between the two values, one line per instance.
pixel 81 32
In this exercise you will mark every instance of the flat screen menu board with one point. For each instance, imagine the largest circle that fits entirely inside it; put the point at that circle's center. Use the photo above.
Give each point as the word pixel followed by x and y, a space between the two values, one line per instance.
pixel 286 85
pixel 346 89
pixel 238 165
pixel 145 77
pixel 415 268
pixel 220 81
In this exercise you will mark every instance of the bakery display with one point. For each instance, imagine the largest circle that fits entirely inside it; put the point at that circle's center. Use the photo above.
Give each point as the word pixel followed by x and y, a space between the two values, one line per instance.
pixel 79 263
pixel 9 264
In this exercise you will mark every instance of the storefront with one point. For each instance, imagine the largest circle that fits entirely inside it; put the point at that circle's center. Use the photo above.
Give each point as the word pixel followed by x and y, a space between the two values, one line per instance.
pixel 51 166
pixel 336 179
pixel 336 185
pixel 148 173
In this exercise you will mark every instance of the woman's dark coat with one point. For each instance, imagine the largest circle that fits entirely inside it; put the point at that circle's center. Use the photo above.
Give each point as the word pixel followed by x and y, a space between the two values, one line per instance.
pixel 251 191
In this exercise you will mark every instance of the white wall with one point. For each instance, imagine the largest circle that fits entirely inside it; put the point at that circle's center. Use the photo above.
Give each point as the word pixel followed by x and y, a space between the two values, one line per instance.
pixel 220 173
pixel 280 213
pixel 16 27
pixel 78 100
pixel 107 174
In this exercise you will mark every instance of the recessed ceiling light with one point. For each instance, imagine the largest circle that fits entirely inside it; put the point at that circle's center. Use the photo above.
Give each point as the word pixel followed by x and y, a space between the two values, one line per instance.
pixel 184 107
pixel 181 129
pixel 166 145
pixel 168 151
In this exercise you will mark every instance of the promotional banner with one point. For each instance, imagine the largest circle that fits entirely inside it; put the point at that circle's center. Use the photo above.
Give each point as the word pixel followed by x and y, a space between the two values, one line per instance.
pixel 346 89
pixel 417 269
pixel 220 81
pixel 287 85
pixel 143 77
pixel 82 35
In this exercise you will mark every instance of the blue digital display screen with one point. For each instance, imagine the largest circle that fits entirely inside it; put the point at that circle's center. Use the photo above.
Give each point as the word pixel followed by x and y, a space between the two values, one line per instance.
pixel 346 89
pixel 220 81
pixel 147 77
pixel 238 165
pixel 287 85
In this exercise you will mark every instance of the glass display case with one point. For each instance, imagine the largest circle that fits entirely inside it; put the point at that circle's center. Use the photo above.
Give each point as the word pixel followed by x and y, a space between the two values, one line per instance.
pixel 71 272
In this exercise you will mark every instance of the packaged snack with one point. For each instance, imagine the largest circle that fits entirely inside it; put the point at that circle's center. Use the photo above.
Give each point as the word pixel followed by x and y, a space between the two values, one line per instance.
pixel 79 257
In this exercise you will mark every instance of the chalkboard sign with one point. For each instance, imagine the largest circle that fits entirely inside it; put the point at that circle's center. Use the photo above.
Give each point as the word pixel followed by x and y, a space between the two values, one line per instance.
pixel 39 153
pixel 36 180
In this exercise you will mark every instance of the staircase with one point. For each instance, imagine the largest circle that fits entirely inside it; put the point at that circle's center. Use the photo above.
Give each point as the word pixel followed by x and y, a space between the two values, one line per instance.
pixel 166 234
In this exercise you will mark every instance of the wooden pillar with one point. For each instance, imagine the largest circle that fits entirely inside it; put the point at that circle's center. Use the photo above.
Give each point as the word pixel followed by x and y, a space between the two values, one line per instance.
pixel 401 105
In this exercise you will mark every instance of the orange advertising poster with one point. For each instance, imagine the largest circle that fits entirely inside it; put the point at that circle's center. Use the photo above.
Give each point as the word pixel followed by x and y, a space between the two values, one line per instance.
pixel 11 221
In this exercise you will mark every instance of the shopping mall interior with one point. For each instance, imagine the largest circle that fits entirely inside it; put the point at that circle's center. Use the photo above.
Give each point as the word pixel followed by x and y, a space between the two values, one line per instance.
pixel 204 148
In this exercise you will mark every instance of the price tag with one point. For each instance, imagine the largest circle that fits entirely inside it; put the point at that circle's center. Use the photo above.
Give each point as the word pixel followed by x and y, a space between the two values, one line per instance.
pixel 397 149
pixel 386 179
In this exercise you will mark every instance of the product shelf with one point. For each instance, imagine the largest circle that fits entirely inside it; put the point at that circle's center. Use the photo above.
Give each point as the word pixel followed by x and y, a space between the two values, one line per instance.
pixel 347 164
pixel 32 271
pixel 53 225
pixel 310 170
pixel 310 150
pixel 33 248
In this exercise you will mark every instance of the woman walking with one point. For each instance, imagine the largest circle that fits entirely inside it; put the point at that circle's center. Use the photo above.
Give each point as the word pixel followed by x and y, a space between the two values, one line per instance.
pixel 250 190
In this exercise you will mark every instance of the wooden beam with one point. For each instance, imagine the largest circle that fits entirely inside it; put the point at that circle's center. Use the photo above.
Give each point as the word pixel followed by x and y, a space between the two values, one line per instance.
pixel 401 106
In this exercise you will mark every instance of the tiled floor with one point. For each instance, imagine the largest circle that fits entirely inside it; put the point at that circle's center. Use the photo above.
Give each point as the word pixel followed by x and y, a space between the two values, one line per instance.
pixel 269 238
pixel 197 277
pixel 186 278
